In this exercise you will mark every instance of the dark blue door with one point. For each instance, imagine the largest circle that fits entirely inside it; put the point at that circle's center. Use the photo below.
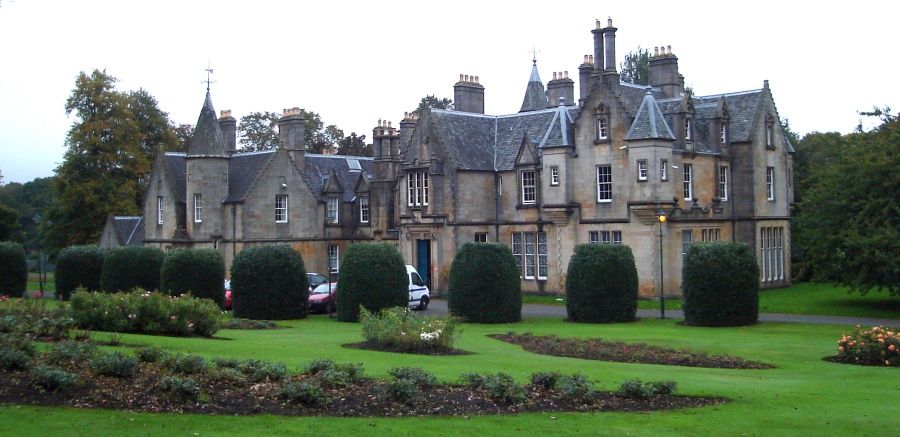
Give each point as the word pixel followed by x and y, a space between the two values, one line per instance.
pixel 423 260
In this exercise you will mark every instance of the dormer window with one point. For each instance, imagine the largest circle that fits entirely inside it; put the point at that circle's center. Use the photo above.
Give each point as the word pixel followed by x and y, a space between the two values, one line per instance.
pixel 364 209
pixel 688 128
pixel 723 131
pixel 332 209
pixel 770 140
pixel 528 187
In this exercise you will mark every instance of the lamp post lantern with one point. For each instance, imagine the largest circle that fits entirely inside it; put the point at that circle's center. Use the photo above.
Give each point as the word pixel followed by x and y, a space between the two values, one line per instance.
pixel 661 217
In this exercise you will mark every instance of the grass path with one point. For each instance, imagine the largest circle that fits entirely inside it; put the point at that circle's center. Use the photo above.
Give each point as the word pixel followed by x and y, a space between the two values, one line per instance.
pixel 803 395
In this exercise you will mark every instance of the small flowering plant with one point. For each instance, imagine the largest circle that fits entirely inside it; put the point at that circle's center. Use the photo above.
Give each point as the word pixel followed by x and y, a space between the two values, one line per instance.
pixel 873 347
pixel 400 328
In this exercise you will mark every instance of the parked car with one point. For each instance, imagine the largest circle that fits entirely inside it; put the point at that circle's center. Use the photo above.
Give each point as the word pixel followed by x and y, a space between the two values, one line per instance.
pixel 419 295
pixel 315 280
pixel 227 294
pixel 321 299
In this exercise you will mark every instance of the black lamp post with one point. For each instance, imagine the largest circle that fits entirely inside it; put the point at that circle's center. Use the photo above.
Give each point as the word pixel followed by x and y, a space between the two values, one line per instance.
pixel 661 217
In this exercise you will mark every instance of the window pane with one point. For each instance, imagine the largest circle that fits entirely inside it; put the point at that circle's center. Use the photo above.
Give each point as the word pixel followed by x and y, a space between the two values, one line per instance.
pixel 594 237
pixel 688 182
pixel 529 255
pixel 604 183
pixel 517 250
pixel 542 255
pixel 528 187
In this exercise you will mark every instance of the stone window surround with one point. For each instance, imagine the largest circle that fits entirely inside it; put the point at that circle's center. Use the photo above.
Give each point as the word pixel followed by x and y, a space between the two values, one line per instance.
pixel 688 182
pixel 605 237
pixel 281 208
pixel 333 209
pixel 723 182
pixel 604 183
pixel 198 207
pixel 160 210
pixel 770 184
pixel 531 254
pixel 643 171
pixel 528 193
pixel 554 175
pixel 364 208
pixel 417 188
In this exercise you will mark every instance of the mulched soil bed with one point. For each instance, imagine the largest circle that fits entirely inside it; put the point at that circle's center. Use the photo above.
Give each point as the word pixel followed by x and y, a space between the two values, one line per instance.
pixel 602 350
pixel 363 398
pixel 427 351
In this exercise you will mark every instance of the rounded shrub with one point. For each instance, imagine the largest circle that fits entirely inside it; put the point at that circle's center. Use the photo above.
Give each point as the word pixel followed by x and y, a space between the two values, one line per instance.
pixel 78 266
pixel 13 269
pixel 373 276
pixel 484 284
pixel 200 272
pixel 269 283
pixel 720 282
pixel 128 267
pixel 601 284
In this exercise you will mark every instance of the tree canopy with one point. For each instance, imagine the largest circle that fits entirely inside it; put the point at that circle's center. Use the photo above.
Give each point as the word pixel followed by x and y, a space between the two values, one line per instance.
pixel 258 131
pixel 110 148
pixel 354 145
pixel 635 68
pixel 848 225
pixel 430 101
pixel 30 201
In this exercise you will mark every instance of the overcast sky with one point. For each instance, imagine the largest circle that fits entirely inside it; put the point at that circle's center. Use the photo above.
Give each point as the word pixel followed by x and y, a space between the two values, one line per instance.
pixel 356 62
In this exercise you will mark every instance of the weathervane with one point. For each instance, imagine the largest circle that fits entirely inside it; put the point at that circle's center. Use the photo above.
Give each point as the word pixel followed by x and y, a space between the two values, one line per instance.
pixel 534 52
pixel 209 72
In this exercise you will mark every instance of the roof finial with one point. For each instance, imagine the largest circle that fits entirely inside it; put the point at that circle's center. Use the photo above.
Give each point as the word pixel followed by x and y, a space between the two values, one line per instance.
pixel 534 52
pixel 209 72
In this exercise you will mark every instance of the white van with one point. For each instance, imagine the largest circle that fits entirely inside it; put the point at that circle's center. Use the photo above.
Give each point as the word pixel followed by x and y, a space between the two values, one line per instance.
pixel 419 296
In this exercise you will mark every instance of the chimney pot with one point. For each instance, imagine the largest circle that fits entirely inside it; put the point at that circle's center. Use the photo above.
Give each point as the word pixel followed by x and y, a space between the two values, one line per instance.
pixel 554 75
pixel 598 24
pixel 609 22
pixel 476 79
pixel 668 50
pixel 460 77
pixel 656 51
pixel 591 58
pixel 389 123
pixel 566 72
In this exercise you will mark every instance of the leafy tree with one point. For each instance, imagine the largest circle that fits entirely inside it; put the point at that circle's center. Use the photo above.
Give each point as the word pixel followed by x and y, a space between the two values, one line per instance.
pixel 8 219
pixel 184 133
pixel 258 131
pixel 326 141
pixel 849 218
pixel 636 67
pixel 110 145
pixel 430 101
pixel 354 145
pixel 31 201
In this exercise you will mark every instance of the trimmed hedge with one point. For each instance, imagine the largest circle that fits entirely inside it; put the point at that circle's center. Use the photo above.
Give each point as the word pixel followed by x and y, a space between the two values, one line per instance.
pixel 128 267
pixel 601 284
pixel 13 269
pixel 484 284
pixel 78 266
pixel 720 284
pixel 269 283
pixel 373 276
pixel 200 272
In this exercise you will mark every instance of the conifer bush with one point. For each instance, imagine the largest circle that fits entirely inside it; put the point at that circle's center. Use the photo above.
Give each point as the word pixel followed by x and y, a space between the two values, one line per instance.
pixel 373 276
pixel 601 284
pixel 484 284
pixel 720 285
pixel 200 272
pixel 13 269
pixel 269 283
pixel 128 267
pixel 78 266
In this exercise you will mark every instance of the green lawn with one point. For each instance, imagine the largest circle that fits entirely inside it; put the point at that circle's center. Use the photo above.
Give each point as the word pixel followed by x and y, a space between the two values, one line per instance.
pixel 802 298
pixel 34 282
pixel 803 395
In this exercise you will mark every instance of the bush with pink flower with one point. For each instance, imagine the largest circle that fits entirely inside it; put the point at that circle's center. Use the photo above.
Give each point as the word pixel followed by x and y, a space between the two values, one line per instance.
pixel 871 347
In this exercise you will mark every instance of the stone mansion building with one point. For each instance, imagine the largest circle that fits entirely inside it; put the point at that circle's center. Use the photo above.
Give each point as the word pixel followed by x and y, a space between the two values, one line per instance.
pixel 600 166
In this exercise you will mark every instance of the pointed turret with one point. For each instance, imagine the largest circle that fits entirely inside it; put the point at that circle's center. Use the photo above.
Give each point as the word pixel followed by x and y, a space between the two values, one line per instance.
pixel 535 97
pixel 208 139
pixel 649 122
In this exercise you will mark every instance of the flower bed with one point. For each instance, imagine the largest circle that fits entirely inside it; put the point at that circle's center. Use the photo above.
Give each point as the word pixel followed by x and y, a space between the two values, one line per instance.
pixel 399 330
pixel 869 347
pixel 602 350
pixel 34 318
pixel 144 312
pixel 156 382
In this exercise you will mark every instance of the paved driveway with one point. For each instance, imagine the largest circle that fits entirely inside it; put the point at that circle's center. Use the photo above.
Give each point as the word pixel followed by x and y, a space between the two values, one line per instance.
pixel 438 307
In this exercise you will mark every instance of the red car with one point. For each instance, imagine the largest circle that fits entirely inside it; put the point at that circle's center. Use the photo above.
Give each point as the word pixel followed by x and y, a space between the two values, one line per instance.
pixel 321 299
pixel 227 294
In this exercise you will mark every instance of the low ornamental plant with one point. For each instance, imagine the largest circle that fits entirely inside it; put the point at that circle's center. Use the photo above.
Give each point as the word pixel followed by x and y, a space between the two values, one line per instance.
pixel 502 388
pixel 637 389
pixel 51 378
pixel 872 347
pixel 73 351
pixel 400 329
pixel 35 318
pixel 113 364
pixel 143 312
pixel 306 393
pixel 182 388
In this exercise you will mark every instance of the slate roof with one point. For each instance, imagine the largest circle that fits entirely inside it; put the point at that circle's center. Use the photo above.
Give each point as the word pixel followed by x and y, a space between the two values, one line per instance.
pixel 129 230
pixel 243 168
pixel 649 122
pixel 487 142
pixel 208 138
pixel 319 168
pixel 742 110
pixel 535 96
pixel 176 169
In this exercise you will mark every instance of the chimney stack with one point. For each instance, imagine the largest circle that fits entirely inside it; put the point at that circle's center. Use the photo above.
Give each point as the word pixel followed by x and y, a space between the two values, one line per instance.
pixel 228 125
pixel 598 47
pixel 584 76
pixel 664 72
pixel 468 94
pixel 609 35
pixel 292 132
pixel 561 88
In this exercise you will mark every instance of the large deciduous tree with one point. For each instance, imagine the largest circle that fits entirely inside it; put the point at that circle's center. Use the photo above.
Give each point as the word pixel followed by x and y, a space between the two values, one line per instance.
pixel 430 101
pixel 849 215
pixel 636 67
pixel 258 131
pixel 110 148
pixel 354 145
